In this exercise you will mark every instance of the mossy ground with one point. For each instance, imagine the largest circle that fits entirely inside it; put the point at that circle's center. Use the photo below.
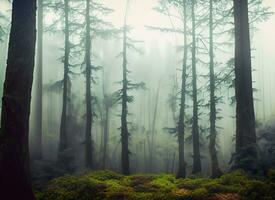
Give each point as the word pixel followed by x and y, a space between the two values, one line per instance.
pixel 107 185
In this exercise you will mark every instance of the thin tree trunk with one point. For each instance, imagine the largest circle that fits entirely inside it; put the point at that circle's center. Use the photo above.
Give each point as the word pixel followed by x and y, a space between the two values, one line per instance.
pixel 38 131
pixel 88 134
pixel 195 127
pixel 63 140
pixel 106 137
pixel 144 156
pixel 15 181
pixel 215 169
pixel 173 163
pixel 124 127
pixel 151 159
pixel 245 133
pixel 182 165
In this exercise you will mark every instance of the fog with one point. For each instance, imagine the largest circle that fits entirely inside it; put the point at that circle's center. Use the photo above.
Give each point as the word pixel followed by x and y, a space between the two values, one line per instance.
pixel 157 65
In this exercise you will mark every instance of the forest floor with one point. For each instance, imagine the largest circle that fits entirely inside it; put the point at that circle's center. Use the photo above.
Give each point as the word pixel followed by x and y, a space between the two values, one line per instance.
pixel 107 185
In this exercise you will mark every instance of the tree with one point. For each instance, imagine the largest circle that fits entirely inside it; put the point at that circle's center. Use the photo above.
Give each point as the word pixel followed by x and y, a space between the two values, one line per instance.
pixel 127 85
pixel 182 165
pixel 125 163
pixel 246 152
pixel 15 182
pixel 63 137
pixel 88 134
pixel 195 126
pixel 95 26
pixel 215 170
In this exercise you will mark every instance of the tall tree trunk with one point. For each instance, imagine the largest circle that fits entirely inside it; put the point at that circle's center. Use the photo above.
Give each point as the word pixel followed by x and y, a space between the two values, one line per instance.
pixel 124 126
pixel 15 181
pixel 215 169
pixel 245 132
pixel 38 131
pixel 125 163
pixel 195 127
pixel 63 140
pixel 88 134
pixel 182 165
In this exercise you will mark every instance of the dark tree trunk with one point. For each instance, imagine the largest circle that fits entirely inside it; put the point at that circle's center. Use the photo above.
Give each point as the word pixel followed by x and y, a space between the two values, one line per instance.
pixel 195 127
pixel 38 131
pixel 182 164
pixel 88 131
pixel 245 133
pixel 63 140
pixel 215 169
pixel 125 165
pixel 15 181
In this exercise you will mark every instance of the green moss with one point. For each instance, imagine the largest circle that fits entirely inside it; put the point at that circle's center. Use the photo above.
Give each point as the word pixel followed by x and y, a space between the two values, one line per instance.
pixel 73 188
pixel 199 193
pixel 237 178
pixel 165 183
pixel 107 185
pixel 192 184
pixel 214 186
pixel 104 175
pixel 255 190
pixel 115 190
pixel 142 183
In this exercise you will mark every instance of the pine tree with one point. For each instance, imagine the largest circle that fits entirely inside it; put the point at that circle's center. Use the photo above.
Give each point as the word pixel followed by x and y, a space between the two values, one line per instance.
pixel 88 136
pixel 63 137
pixel 127 85
pixel 95 26
pixel 195 126
pixel 181 131
pixel 125 162
pixel 215 170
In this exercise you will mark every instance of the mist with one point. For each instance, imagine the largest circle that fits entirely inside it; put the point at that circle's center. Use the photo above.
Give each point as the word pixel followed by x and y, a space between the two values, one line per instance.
pixel 136 65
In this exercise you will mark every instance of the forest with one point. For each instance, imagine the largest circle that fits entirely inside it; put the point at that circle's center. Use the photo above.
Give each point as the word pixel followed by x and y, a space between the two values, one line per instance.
pixel 137 100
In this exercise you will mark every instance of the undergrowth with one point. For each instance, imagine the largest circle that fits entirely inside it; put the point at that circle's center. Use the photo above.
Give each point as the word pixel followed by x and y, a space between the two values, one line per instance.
pixel 107 185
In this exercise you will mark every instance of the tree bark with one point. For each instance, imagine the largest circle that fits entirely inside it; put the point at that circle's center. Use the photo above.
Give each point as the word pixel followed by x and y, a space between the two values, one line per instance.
pixel 215 169
pixel 245 132
pixel 89 117
pixel 195 127
pixel 15 181
pixel 63 140
pixel 182 165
